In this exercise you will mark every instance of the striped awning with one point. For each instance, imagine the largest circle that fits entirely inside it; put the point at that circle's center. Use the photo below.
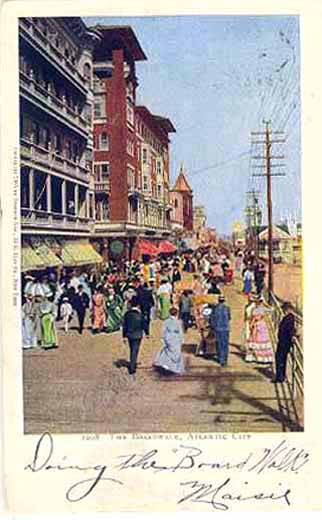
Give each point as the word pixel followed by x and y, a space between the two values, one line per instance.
pixel 30 261
pixel 79 253
pixel 146 247
pixel 166 247
pixel 46 254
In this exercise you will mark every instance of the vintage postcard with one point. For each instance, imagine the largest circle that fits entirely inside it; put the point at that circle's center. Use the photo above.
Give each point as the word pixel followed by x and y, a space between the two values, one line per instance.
pixel 160 257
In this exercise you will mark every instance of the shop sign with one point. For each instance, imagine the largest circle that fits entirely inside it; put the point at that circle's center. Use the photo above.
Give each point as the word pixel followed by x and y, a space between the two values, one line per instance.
pixel 116 247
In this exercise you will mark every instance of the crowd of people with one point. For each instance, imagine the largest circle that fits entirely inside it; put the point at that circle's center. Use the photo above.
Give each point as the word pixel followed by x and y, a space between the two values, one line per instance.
pixel 114 298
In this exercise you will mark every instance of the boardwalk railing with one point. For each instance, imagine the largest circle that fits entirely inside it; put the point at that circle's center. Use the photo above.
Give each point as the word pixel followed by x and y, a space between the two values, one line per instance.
pixel 295 374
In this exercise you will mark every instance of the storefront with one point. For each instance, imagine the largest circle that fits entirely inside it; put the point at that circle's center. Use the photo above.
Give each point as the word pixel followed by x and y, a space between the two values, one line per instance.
pixel 43 255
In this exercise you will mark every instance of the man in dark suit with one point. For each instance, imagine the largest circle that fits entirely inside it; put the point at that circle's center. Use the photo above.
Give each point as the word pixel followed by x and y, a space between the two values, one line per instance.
pixel 220 323
pixel 146 302
pixel 286 332
pixel 80 303
pixel 133 327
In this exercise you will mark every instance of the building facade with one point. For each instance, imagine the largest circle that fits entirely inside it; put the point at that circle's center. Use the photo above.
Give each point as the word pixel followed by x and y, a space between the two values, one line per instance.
pixel 131 151
pixel 239 235
pixel 181 199
pixel 199 218
pixel 56 142
pixel 153 168
pixel 282 244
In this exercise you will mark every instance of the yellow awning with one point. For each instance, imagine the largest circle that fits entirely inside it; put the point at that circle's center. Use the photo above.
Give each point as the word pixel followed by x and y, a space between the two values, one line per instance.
pixel 30 261
pixel 79 253
pixel 46 254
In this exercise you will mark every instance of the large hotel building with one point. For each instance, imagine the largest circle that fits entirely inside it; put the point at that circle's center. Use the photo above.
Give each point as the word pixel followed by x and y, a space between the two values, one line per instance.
pixel 94 164
pixel 56 142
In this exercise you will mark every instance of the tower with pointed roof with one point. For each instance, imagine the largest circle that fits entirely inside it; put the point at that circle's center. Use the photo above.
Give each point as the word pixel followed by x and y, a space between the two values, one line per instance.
pixel 181 198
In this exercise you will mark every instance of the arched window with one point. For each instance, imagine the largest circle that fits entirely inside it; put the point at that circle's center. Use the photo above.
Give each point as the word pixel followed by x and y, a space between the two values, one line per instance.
pixel 87 71
pixel 104 141
pixel 175 203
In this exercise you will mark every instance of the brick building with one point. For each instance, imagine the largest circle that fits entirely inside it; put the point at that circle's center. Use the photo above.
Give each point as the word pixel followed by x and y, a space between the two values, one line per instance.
pixel 153 172
pixel 181 199
pixel 57 197
pixel 131 151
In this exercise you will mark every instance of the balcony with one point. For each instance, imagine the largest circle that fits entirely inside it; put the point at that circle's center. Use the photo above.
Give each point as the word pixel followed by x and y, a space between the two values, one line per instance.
pixel 103 69
pixel 31 33
pixel 42 98
pixel 134 191
pixel 102 186
pixel 38 156
pixel 46 221
pixel 115 227
pixel 101 226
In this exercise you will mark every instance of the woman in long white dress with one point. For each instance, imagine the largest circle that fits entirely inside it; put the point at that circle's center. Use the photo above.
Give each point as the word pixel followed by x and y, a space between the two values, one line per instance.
pixel 170 356
pixel 29 333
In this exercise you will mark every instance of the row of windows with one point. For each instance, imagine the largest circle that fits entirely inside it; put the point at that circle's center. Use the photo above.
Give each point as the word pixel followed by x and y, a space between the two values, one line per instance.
pixel 45 137
pixel 55 90
pixel 100 109
pixel 63 196
pixel 146 187
pixel 100 112
pixel 56 38
pixel 102 142
pixel 145 161
pixel 52 86
pixel 148 136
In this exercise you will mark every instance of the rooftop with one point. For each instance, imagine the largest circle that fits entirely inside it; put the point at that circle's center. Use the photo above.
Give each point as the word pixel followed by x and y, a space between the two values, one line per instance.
pixel 165 123
pixel 161 125
pixel 120 36
pixel 181 183
pixel 76 26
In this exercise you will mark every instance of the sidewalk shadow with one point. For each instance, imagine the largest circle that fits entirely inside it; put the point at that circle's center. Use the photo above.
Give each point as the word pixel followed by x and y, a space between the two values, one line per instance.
pixel 119 363
pixel 163 373
pixel 238 346
pixel 189 348
pixel 218 389
pixel 267 371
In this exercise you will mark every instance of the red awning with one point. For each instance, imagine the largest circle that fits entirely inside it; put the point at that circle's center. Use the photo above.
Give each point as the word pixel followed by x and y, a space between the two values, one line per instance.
pixel 166 247
pixel 147 248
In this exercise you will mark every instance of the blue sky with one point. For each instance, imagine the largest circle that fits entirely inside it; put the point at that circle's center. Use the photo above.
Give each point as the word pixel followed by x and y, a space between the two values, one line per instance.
pixel 217 78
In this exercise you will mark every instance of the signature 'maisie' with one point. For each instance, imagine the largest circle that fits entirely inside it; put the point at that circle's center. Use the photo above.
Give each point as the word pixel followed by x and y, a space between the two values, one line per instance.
pixel 217 496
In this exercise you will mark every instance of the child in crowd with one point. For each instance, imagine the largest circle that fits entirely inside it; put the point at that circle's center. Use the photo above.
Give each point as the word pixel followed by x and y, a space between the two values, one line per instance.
pixel 66 313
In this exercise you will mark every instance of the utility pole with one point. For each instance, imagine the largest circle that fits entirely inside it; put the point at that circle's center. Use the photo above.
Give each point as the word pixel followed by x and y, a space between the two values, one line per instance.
pixel 269 209
pixel 269 157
